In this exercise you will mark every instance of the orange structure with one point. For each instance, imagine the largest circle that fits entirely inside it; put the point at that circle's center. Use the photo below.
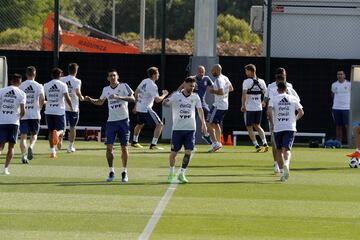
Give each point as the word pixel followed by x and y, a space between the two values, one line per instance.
pixel 105 44
pixel 229 141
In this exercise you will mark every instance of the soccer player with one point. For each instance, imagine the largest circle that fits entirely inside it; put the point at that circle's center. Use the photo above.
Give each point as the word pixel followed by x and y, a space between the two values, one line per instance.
pixel 72 118
pixel 117 95
pixel 56 93
pixel 30 123
pixel 202 83
pixel 145 94
pixel 222 87
pixel 340 92
pixel 184 104
pixel 271 91
pixel 251 105
pixel 282 117
pixel 356 154
pixel 12 109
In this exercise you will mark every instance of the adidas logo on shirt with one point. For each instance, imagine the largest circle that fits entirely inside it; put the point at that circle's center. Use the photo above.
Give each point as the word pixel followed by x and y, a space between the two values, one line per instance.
pixel 29 89
pixel 284 101
pixel 10 94
pixel 68 84
pixel 53 88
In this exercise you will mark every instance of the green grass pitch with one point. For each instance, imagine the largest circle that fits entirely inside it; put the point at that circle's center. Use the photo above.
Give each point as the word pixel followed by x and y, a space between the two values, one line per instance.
pixel 232 194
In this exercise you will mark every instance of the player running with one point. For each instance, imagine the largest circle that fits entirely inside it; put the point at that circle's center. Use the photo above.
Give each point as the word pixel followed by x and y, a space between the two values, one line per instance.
pixel 118 95
pixel 30 123
pixel 282 119
pixel 145 94
pixel 221 89
pixel 72 117
pixel 251 105
pixel 184 103
pixel 56 93
pixel 203 82
pixel 12 109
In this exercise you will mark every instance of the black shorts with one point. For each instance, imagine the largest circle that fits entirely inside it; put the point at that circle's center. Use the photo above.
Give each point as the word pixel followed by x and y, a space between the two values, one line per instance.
pixel 252 117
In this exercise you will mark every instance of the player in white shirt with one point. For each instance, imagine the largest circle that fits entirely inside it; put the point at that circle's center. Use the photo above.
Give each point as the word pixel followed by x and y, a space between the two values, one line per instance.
pixel 56 93
pixel 184 105
pixel 221 89
pixel 282 116
pixel 272 90
pixel 145 95
pixel 118 95
pixel 30 123
pixel 251 105
pixel 340 92
pixel 12 109
pixel 72 117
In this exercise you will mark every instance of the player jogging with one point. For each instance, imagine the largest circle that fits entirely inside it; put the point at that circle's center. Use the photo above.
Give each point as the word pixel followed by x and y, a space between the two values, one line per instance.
pixel 118 95
pixel 271 91
pixel 222 87
pixel 12 109
pixel 145 94
pixel 281 111
pixel 184 104
pixel 72 117
pixel 56 93
pixel 251 105
pixel 30 123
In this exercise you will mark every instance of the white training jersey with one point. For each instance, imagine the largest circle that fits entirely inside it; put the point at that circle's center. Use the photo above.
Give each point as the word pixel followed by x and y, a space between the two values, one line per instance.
pixel 148 90
pixel 183 110
pixel 118 109
pixel 341 95
pixel 221 102
pixel 10 99
pixel 253 101
pixel 284 115
pixel 55 99
pixel 33 91
pixel 72 83
pixel 271 90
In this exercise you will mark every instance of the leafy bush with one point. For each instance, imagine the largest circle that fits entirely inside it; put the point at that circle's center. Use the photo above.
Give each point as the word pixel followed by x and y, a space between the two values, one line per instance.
pixel 231 29
pixel 129 36
pixel 19 35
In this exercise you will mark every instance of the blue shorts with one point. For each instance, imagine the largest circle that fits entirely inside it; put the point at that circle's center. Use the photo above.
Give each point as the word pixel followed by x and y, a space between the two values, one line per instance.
pixel 29 126
pixel 284 139
pixel 252 117
pixel 8 133
pixel 341 117
pixel 72 118
pixel 216 115
pixel 182 137
pixel 55 122
pixel 120 128
pixel 150 118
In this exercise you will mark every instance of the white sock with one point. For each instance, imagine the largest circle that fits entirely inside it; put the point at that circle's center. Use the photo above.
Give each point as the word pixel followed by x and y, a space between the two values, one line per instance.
pixel 276 165
pixel 52 150
pixel 154 141
pixel 255 143
pixel 112 169
pixel 24 154
pixel 6 169
pixel 281 170
pixel 287 162
pixel 71 144
pixel 172 170
pixel 264 141
pixel 136 138
pixel 182 170
pixel 125 169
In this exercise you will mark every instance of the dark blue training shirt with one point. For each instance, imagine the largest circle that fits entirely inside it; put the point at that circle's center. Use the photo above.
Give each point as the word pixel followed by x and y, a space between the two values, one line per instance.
pixel 201 86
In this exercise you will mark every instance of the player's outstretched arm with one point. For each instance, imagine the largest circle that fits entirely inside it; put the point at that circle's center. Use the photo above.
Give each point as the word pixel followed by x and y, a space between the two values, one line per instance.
pixel 162 97
pixel 97 102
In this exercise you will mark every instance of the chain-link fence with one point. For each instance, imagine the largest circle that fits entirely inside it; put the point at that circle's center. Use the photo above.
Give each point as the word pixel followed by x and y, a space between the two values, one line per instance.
pixel 28 25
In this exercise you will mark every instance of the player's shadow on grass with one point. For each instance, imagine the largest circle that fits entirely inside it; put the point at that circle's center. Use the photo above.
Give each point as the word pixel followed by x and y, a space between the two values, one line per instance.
pixel 73 184
pixel 319 169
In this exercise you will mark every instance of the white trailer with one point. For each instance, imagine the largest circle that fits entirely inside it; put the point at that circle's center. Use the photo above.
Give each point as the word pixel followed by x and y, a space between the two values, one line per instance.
pixel 314 29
